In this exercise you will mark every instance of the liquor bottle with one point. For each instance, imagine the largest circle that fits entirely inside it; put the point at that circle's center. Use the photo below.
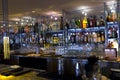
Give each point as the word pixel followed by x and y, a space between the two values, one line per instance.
pixel 109 45
pixel 108 19
pixel 94 21
pixel 94 37
pixel 61 23
pixel 73 38
pixel 113 16
pixel 102 22
pixel 114 32
pixel 77 38
pixel 36 27
pixel 81 37
pixel 110 30
pixel 98 36
pixel 102 36
pixel 97 23
pixel 88 20
pixel 89 37
pixel 66 25
pixel 84 22
pixel 91 23
pixel 78 23
pixel 85 38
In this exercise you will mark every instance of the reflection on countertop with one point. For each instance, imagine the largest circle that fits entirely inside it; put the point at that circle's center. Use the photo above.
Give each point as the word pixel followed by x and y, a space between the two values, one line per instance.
pixel 30 75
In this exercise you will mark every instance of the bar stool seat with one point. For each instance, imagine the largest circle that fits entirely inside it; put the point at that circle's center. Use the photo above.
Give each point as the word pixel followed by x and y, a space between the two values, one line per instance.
pixel 115 74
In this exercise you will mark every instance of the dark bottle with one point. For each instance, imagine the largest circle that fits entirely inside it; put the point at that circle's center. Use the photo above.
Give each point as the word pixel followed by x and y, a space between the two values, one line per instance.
pixel 102 22
pixel 73 38
pixel 114 32
pixel 22 29
pixel 66 25
pixel 94 21
pixel 81 37
pixel 36 27
pixel 61 24
pixel 88 20
pixel 110 30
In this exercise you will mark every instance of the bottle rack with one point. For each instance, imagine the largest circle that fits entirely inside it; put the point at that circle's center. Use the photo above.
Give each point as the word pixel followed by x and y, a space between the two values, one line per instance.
pixel 54 38
pixel 112 30
pixel 88 35
pixel 112 35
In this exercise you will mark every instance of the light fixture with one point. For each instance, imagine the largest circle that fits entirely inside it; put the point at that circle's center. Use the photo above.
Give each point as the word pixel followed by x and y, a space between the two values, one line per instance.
pixel 56 18
pixel 51 17
pixel 85 14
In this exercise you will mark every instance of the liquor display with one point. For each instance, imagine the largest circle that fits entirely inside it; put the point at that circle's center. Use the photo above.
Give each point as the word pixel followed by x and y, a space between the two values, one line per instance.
pixel 54 38
pixel 66 31
pixel 112 28
pixel 91 35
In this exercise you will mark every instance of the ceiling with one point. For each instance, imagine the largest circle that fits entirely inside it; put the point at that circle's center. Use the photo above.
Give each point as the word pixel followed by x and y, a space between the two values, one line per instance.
pixel 18 8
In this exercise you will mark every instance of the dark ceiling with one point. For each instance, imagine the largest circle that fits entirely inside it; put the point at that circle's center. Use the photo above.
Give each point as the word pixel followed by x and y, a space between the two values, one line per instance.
pixel 17 8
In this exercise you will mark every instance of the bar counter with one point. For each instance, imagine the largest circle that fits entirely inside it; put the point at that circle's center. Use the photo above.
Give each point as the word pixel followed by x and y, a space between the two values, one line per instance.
pixel 29 75
pixel 55 64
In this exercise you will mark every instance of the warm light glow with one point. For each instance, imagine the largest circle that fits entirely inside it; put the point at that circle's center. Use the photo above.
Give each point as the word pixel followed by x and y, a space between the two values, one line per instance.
pixel 56 18
pixel 53 13
pixel 15 19
pixel 2 77
pixel 82 7
pixel 115 43
pixel 9 25
pixel 26 17
pixel 1 26
pixel 33 11
pixel 16 22
pixel 51 17
pixel 85 14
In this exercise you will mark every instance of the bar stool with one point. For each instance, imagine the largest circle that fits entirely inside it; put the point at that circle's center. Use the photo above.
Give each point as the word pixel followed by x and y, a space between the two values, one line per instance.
pixel 115 74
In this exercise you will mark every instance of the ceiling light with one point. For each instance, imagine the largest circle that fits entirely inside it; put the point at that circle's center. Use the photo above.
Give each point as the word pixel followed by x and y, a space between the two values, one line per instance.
pixel 51 17
pixel 82 8
pixel 33 11
pixel 56 18
pixel 15 19
pixel 85 14
pixel 53 13
pixel 16 22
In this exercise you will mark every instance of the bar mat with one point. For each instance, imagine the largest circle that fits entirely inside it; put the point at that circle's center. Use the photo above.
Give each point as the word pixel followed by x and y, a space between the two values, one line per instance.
pixel 11 71
pixel 21 72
